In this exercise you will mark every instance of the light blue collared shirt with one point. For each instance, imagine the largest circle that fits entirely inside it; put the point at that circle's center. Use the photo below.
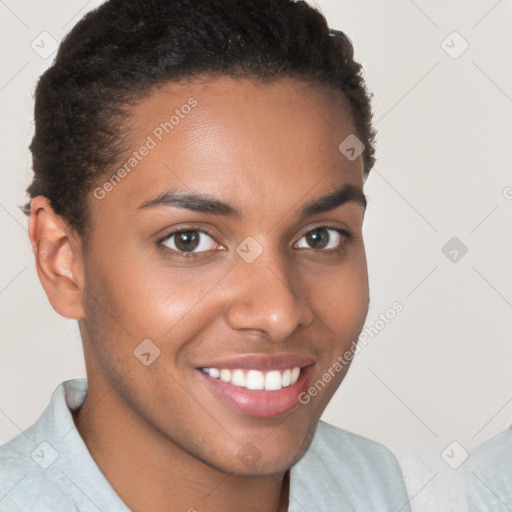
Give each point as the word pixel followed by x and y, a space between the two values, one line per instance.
pixel 488 474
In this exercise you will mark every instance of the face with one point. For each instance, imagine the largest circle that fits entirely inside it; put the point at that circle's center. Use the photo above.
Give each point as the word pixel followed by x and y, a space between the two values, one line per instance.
pixel 226 270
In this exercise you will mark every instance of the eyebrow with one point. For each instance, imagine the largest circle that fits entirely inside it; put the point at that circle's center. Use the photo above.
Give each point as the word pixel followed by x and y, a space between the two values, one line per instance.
pixel 342 195
pixel 205 204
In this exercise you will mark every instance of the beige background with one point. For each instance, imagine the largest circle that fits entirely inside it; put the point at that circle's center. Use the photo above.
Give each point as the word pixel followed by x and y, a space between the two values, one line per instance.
pixel 437 373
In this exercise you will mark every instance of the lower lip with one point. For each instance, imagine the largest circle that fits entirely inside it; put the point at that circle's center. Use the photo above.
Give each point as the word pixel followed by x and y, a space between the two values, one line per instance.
pixel 260 403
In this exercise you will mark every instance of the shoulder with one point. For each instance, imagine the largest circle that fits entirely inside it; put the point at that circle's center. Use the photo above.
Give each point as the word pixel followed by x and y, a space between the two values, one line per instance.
pixel 494 447
pixel 488 474
pixel 333 441
pixel 28 461
pixel 15 462
pixel 23 481
pixel 360 470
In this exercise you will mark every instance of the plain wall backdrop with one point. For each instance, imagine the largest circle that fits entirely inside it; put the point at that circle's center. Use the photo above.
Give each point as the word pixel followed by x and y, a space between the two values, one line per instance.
pixel 433 382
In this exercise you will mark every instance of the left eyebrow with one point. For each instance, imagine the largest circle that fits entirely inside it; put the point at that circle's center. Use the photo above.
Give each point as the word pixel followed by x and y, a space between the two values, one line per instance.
pixel 201 203
pixel 342 195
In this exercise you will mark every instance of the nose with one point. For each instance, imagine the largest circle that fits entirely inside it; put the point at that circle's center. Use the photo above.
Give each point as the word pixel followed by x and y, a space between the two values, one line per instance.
pixel 266 299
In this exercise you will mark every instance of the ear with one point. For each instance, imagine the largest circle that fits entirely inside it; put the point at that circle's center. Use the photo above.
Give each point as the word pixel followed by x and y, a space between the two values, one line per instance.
pixel 59 259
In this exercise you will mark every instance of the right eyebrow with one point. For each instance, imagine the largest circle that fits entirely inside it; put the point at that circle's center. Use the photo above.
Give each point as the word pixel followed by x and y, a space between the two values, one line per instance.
pixel 192 201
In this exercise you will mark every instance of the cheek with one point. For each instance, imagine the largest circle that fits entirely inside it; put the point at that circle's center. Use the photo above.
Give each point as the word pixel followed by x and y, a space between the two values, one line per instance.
pixel 340 296
pixel 149 298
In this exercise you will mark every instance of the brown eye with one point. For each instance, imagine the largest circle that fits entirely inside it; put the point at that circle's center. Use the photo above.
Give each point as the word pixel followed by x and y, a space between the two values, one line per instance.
pixel 322 238
pixel 186 240
pixel 318 238
pixel 189 241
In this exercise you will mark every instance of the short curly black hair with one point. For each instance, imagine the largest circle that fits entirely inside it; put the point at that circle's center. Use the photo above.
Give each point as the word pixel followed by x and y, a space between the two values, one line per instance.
pixel 122 50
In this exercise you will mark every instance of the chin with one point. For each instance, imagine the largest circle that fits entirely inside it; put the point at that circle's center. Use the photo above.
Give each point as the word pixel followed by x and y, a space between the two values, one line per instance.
pixel 260 465
pixel 265 458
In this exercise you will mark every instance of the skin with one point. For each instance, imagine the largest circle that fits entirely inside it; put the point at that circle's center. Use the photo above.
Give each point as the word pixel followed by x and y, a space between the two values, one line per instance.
pixel 267 149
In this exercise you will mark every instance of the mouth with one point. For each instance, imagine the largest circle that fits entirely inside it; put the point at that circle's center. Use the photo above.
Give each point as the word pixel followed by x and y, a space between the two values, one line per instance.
pixel 273 380
pixel 259 386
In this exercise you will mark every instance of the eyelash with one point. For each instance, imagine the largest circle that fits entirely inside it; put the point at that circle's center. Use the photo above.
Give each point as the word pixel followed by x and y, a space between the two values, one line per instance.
pixel 345 235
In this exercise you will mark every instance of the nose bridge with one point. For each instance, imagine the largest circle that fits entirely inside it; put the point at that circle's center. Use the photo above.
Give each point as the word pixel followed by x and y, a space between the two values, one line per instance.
pixel 265 298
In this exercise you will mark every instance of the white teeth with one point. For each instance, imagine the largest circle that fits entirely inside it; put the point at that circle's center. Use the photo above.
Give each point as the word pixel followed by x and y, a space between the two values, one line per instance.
pixel 255 379
pixel 238 378
pixel 225 375
pixel 214 372
pixel 287 378
pixel 273 381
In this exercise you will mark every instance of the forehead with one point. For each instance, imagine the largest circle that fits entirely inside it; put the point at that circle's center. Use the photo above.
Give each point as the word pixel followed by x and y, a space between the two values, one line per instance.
pixel 240 139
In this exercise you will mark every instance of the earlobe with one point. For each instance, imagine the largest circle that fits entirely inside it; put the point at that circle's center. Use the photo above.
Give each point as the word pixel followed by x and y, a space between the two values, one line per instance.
pixel 58 257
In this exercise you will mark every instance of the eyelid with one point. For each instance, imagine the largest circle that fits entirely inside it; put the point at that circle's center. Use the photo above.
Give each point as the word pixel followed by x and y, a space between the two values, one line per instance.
pixel 344 235
pixel 342 229
pixel 176 230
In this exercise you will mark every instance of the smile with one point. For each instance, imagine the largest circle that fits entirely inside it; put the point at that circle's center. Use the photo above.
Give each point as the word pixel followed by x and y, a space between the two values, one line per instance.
pixel 258 386
pixel 273 380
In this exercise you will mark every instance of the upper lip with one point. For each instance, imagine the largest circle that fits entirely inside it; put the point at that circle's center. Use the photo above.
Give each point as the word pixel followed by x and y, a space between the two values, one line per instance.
pixel 261 362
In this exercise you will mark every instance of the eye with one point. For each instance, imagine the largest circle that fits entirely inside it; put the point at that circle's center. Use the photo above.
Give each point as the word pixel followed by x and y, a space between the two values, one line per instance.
pixel 189 241
pixel 324 238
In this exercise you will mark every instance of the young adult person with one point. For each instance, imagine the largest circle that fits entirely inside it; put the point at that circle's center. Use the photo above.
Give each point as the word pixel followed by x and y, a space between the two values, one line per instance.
pixel 197 206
